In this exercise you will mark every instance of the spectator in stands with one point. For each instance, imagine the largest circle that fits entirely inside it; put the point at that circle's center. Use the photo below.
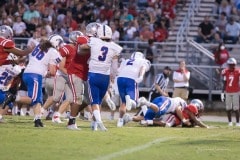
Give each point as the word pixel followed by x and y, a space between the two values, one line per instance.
pixel 160 34
pixel 226 7
pixel 217 38
pixel 34 40
pixel 31 13
pixel 126 17
pixel 130 32
pixel 19 27
pixel 181 81
pixel 205 31
pixel 5 19
pixel 168 13
pixel 115 33
pixel 221 55
pixel 31 27
pixel 232 32
pixel 107 12
pixel 221 23
pixel 102 19
pixel 69 21
pixel 146 34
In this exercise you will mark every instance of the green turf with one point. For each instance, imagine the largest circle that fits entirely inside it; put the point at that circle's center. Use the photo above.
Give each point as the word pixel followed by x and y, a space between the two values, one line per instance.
pixel 19 140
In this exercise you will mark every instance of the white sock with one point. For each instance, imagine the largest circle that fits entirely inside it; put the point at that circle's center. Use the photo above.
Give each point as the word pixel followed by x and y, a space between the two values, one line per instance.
pixel 0 116
pixel 38 116
pixel 96 114
pixel 150 122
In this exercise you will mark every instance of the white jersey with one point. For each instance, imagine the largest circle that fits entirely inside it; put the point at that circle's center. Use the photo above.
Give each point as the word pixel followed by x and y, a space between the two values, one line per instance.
pixel 39 60
pixel 7 73
pixel 175 102
pixel 102 53
pixel 130 68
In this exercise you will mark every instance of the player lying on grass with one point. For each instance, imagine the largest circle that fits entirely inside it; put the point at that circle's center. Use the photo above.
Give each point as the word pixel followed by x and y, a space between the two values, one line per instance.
pixel 149 116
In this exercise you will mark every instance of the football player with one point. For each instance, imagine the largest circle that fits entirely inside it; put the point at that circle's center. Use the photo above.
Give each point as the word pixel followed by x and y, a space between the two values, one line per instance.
pixel 131 72
pixel 103 57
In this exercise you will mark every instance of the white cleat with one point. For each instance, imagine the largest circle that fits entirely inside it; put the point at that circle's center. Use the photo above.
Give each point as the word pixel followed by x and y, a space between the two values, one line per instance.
pixel 111 104
pixel 94 126
pixel 128 102
pixel 237 124
pixel 73 127
pixel 141 101
pixel 230 124
pixel 101 126
pixel 126 118
pixel 56 119
pixel 120 122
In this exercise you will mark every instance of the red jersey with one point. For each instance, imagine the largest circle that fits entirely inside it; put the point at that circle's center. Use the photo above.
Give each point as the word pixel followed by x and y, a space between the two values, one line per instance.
pixel 190 108
pixel 68 51
pixel 79 65
pixel 160 35
pixel 231 79
pixel 221 57
pixel 5 44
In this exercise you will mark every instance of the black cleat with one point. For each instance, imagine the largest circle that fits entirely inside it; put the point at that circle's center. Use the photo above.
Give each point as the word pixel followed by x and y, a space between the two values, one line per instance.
pixel 8 99
pixel 38 123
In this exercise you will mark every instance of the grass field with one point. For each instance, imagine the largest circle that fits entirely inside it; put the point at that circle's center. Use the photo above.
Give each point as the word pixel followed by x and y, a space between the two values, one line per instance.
pixel 19 140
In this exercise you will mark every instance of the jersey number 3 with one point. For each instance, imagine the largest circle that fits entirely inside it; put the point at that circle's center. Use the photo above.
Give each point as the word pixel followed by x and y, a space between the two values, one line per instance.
pixel 104 51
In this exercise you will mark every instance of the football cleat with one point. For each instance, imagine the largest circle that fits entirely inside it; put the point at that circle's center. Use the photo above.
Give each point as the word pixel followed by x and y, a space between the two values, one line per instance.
pixel 111 104
pixel 120 122
pixel 38 123
pixel 8 99
pixel 94 126
pixel 101 126
pixel 141 101
pixel 73 127
pixel 126 118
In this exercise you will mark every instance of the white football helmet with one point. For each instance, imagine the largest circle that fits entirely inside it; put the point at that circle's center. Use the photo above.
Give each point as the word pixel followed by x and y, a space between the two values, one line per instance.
pixel 104 32
pixel 91 29
pixel 137 55
pixel 232 61
pixel 56 40
pixel 74 35
pixel 6 31
pixel 198 103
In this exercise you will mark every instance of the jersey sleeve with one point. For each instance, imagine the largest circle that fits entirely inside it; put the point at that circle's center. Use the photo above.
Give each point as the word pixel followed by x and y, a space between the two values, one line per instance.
pixel 8 44
pixel 55 57
pixel 82 40
pixel 117 49
pixel 63 51
pixel 147 65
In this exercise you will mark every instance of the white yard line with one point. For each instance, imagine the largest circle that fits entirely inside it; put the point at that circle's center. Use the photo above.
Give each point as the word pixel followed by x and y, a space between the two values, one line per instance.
pixel 134 149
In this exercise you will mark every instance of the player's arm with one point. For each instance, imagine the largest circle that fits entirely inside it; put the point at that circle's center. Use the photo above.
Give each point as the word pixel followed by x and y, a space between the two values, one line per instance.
pixel 83 49
pixel 19 52
pixel 196 120
pixel 114 67
pixel 62 66
pixel 158 88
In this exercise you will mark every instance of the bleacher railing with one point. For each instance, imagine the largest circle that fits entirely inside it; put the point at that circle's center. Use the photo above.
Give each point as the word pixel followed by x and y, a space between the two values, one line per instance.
pixel 185 25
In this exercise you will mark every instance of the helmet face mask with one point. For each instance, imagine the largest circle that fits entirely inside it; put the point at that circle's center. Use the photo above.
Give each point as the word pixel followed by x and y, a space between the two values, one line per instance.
pixel 55 40
pixel 91 29
pixel 6 32
pixel 74 35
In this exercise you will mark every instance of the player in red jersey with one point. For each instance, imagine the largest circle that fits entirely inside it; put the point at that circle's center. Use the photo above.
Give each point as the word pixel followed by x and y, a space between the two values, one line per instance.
pixel 8 46
pixel 77 74
pixel 61 86
pixel 191 112
pixel 231 89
